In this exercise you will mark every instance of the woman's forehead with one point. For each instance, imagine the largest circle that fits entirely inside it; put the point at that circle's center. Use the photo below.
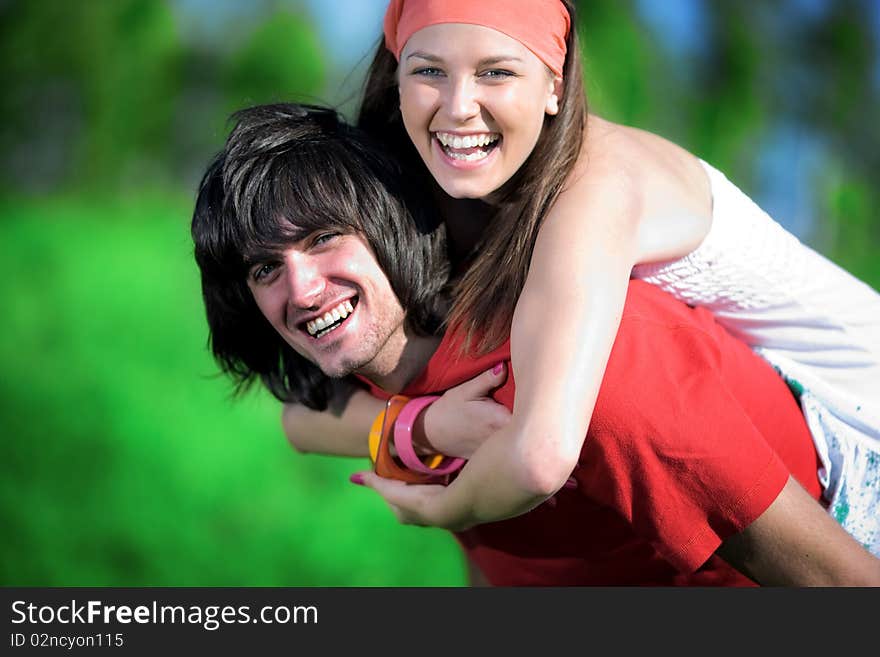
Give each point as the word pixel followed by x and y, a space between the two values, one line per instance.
pixel 464 40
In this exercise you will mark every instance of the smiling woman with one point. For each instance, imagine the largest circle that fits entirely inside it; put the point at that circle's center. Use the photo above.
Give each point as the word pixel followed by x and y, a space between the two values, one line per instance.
pixel 473 101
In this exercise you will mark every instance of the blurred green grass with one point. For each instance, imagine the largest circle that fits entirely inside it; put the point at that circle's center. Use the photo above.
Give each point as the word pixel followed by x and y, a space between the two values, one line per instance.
pixel 123 461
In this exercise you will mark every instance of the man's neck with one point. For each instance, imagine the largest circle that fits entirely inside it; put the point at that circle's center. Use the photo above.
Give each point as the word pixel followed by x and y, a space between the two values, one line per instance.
pixel 403 359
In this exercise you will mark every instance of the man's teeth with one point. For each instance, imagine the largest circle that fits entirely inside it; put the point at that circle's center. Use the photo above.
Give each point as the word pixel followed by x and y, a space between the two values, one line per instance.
pixel 468 141
pixel 323 325
pixel 321 334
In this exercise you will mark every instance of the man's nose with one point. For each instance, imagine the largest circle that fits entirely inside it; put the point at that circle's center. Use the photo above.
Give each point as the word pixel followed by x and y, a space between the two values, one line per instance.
pixel 304 280
pixel 461 101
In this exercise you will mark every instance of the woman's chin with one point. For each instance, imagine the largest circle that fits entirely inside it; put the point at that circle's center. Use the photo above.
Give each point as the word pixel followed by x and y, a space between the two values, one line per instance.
pixel 464 195
pixel 462 188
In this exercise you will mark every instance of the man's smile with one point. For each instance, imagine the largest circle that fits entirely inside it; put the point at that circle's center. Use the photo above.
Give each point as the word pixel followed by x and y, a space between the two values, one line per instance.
pixel 330 320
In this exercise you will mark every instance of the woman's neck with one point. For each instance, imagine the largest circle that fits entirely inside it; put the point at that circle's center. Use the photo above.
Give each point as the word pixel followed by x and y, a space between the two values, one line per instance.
pixel 466 221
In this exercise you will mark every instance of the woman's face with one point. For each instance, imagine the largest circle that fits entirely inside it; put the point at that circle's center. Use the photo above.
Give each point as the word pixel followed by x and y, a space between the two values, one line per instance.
pixel 473 102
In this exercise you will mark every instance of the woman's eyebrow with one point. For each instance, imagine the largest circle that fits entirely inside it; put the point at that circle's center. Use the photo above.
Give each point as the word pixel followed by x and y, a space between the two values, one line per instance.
pixel 423 55
pixel 487 61
pixel 498 59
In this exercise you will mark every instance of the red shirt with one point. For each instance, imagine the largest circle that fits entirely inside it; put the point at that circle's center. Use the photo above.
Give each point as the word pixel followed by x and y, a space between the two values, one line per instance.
pixel 692 437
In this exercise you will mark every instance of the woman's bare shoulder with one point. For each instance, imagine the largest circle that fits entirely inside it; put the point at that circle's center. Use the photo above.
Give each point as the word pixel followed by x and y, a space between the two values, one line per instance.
pixel 670 191
pixel 647 158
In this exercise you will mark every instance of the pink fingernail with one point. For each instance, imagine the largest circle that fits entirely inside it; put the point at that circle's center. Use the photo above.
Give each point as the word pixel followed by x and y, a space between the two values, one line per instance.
pixel 357 478
pixel 498 367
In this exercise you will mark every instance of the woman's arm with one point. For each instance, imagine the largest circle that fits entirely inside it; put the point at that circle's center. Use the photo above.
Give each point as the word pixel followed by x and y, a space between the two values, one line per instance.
pixel 563 330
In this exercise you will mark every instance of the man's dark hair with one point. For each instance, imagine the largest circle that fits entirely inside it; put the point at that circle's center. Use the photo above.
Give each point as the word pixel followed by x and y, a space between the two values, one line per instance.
pixel 288 170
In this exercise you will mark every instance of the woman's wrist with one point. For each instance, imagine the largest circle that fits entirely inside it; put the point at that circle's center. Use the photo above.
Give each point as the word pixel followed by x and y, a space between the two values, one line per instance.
pixel 403 440
pixel 420 442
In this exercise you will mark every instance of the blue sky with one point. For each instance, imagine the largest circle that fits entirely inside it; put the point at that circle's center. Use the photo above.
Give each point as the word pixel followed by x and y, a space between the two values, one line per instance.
pixel 353 25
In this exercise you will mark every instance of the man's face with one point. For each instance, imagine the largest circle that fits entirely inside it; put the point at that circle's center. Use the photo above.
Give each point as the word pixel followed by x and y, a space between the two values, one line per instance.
pixel 330 301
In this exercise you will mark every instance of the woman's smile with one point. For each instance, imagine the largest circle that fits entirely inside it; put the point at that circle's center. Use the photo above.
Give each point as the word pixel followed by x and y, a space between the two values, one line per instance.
pixel 468 151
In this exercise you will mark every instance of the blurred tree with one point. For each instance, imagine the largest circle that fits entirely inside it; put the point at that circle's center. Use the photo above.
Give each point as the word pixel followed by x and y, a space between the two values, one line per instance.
pixel 280 61
pixel 620 60
pixel 90 89
pixel 107 93
pixel 728 113
pixel 840 97
pixel 842 102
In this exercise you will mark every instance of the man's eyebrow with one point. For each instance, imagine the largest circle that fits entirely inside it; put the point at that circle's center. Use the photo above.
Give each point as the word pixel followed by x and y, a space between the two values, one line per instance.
pixel 259 255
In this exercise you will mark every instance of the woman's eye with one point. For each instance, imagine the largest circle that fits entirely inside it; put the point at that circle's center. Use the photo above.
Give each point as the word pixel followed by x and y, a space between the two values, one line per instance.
pixel 428 71
pixel 497 73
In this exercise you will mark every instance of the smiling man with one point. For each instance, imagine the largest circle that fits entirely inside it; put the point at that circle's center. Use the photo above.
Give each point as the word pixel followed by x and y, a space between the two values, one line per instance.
pixel 301 221
pixel 317 262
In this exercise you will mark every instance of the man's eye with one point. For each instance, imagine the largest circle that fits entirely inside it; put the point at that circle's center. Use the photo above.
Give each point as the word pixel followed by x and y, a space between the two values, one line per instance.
pixel 323 238
pixel 262 272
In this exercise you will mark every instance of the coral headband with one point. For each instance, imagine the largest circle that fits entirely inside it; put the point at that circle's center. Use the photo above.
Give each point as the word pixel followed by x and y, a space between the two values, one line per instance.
pixel 540 25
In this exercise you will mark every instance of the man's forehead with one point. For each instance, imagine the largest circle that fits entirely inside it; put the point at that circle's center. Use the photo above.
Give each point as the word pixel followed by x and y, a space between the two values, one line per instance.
pixel 294 231
pixel 292 235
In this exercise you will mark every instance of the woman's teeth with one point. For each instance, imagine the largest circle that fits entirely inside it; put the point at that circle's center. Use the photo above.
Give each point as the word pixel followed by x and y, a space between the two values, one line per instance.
pixel 468 157
pixel 331 319
pixel 483 143
pixel 468 141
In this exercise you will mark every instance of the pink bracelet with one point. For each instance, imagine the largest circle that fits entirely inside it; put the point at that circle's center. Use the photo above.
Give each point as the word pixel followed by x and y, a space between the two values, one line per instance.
pixel 403 439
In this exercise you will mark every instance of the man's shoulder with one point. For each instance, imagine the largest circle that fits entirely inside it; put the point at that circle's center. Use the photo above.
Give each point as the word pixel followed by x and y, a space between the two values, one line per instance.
pixel 653 319
pixel 652 306
pixel 661 342
pixel 452 364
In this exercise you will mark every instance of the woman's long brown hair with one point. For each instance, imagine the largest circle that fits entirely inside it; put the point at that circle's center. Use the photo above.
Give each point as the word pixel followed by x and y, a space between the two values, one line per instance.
pixel 485 296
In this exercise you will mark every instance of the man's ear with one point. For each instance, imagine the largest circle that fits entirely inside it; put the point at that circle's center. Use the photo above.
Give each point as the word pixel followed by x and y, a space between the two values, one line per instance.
pixel 556 89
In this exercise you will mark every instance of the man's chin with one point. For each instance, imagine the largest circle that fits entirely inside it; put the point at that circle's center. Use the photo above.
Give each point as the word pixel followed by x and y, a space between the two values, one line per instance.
pixel 338 370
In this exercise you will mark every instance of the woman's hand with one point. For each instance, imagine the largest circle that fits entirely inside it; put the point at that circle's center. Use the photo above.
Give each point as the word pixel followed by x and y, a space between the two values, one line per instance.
pixel 427 505
pixel 456 424
pixel 417 504
pixel 464 417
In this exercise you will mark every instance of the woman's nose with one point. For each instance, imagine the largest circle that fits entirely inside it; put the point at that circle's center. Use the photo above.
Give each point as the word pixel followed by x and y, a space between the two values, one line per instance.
pixel 462 101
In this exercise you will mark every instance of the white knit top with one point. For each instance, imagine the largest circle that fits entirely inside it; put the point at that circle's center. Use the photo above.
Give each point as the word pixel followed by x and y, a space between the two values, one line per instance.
pixel 799 310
